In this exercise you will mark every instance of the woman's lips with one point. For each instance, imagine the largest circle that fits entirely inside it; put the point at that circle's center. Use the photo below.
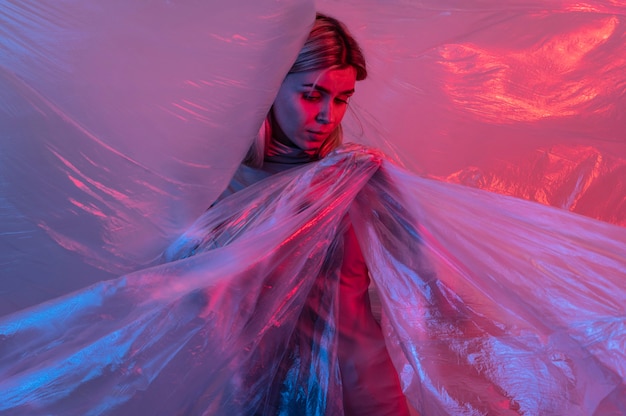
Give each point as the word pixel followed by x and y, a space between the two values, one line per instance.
pixel 319 133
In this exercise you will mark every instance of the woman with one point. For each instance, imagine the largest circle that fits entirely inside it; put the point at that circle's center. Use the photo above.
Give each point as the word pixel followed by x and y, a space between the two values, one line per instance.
pixel 304 125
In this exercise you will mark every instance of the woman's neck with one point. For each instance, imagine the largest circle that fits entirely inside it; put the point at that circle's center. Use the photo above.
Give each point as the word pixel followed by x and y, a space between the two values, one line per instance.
pixel 277 152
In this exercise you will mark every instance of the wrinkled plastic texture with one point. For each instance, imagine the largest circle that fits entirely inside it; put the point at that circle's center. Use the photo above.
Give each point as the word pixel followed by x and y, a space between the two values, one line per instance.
pixel 524 98
pixel 477 320
pixel 121 122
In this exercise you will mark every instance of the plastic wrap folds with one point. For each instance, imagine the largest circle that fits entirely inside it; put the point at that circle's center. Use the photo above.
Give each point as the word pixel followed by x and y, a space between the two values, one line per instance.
pixel 120 123
pixel 477 320
pixel 522 98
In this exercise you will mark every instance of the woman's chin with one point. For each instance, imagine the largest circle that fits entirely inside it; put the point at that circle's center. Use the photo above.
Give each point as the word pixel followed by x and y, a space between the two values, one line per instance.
pixel 310 146
pixel 312 152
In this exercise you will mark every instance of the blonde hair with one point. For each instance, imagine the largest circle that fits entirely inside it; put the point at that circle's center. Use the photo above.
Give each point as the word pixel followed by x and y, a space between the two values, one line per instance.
pixel 329 46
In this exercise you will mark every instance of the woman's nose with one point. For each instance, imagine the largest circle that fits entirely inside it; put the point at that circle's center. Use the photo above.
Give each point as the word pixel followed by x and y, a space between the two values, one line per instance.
pixel 325 114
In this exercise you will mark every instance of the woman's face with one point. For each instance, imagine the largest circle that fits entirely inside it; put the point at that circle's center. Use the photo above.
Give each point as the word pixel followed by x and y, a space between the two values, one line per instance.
pixel 310 105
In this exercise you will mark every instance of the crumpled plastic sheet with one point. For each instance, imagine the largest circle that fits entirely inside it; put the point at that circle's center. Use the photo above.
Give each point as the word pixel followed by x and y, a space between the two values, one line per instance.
pixel 521 98
pixel 121 122
pixel 477 320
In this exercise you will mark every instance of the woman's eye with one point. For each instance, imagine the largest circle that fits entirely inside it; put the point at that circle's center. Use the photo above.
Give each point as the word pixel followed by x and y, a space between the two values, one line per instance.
pixel 311 96
pixel 342 100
